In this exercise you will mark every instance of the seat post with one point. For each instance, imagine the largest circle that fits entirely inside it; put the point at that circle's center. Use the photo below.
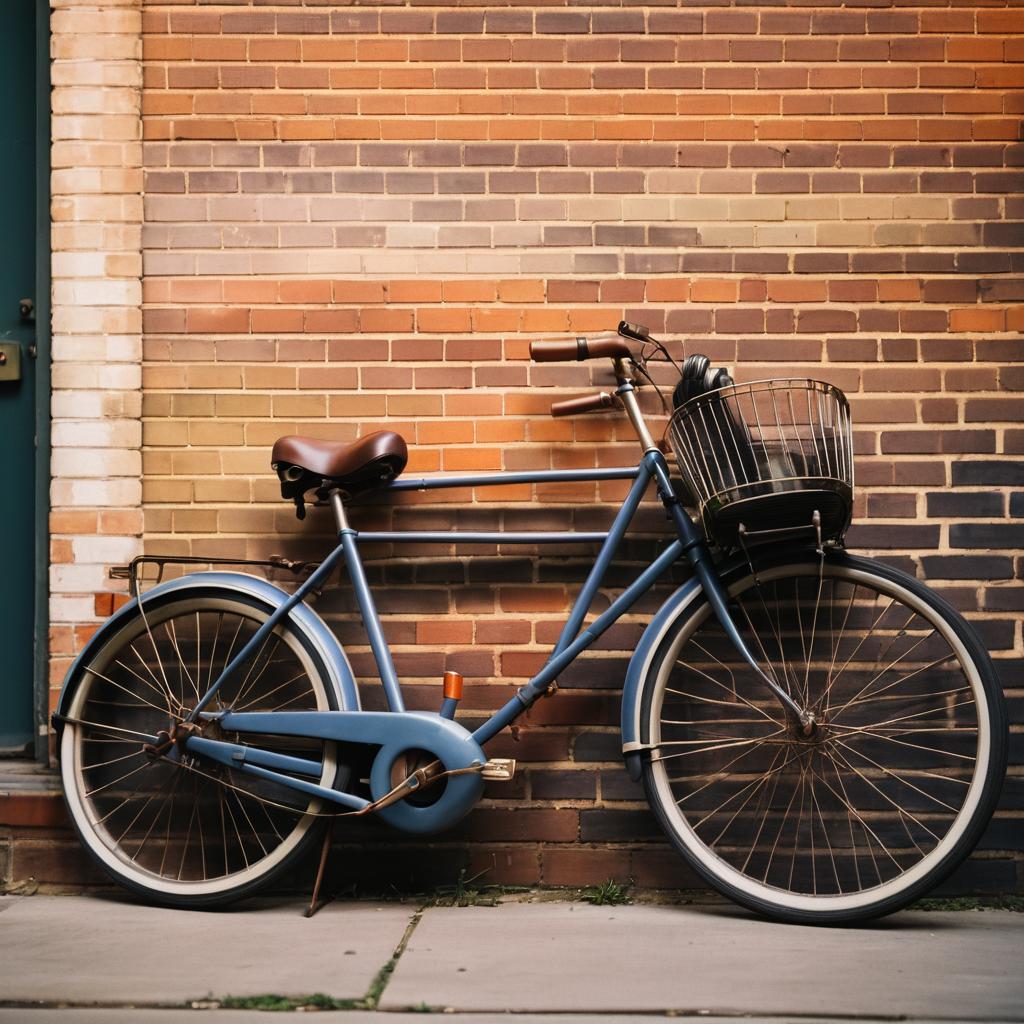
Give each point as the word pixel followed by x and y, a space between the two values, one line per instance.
pixel 367 607
pixel 338 504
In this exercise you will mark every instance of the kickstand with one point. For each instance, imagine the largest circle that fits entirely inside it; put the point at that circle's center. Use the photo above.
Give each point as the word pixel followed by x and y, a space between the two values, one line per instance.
pixel 315 902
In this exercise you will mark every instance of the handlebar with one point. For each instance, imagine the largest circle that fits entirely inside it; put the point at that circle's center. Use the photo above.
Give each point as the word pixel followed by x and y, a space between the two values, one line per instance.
pixel 585 403
pixel 608 345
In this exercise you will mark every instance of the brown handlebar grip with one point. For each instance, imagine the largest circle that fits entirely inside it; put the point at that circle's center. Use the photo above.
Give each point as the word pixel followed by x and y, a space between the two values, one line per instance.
pixel 557 351
pixel 562 350
pixel 585 403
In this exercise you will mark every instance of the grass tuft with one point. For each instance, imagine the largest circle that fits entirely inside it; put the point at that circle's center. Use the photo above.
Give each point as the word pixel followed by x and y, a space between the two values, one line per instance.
pixel 463 893
pixel 271 1003
pixel 608 894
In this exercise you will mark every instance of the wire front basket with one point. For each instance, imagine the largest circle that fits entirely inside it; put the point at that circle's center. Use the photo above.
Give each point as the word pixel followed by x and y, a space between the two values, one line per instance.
pixel 767 455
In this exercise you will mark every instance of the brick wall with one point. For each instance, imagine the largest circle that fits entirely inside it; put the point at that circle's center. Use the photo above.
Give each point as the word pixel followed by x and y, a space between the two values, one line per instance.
pixel 357 216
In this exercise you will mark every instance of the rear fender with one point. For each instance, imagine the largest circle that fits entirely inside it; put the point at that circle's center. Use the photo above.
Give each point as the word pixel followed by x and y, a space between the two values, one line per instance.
pixel 301 618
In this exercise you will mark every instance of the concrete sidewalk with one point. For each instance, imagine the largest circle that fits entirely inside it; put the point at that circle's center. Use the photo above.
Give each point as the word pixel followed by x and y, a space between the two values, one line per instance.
pixel 537 957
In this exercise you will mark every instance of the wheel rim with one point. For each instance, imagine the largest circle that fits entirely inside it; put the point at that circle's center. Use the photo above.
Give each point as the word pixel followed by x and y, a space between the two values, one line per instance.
pixel 175 825
pixel 877 796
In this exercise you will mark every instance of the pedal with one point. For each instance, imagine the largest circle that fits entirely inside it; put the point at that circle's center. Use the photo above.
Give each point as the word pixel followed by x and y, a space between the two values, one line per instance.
pixel 499 769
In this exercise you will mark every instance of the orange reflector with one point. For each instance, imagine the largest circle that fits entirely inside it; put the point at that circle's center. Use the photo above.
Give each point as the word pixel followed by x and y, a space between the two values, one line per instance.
pixel 453 685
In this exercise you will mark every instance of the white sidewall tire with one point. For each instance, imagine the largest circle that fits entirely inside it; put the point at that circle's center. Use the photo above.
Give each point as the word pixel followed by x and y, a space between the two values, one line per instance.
pixel 931 869
pixel 214 891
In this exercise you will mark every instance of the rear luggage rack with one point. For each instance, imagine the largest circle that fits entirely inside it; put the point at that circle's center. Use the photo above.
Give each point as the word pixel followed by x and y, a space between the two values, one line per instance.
pixel 132 571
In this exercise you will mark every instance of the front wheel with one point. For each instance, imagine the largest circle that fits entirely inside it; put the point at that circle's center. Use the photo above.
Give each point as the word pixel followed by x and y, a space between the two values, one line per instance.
pixel 882 797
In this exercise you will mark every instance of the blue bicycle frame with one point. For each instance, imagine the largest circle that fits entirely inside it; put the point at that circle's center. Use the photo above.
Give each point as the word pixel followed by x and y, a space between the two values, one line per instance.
pixel 395 731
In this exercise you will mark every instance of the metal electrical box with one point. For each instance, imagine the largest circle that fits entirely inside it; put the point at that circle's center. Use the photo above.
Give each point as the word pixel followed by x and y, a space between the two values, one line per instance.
pixel 10 360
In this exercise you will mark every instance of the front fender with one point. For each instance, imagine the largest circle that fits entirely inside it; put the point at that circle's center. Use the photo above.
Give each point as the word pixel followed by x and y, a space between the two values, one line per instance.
pixel 636 674
pixel 302 619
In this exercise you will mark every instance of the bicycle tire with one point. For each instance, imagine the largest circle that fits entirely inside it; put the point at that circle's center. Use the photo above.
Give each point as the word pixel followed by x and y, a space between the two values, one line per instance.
pixel 137 816
pixel 896 812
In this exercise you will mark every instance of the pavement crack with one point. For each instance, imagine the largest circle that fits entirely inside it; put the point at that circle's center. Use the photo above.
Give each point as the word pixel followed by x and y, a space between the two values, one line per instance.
pixel 380 982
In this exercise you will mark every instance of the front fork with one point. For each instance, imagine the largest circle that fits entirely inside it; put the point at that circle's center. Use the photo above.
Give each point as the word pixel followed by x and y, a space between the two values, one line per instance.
pixel 699 556
pixel 695 547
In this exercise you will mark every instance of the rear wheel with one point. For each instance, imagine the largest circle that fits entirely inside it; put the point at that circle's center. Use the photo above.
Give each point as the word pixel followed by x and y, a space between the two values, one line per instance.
pixel 177 829
pixel 888 791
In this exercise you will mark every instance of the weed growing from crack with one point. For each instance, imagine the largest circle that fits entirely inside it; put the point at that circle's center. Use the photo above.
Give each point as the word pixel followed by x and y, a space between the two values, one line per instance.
pixel 608 894
pixel 286 1004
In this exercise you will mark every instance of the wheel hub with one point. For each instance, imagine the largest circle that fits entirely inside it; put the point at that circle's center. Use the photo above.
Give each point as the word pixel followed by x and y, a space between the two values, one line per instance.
pixel 175 735
pixel 810 729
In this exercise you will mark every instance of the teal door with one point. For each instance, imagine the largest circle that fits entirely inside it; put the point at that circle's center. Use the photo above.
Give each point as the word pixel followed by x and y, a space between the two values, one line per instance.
pixel 17 374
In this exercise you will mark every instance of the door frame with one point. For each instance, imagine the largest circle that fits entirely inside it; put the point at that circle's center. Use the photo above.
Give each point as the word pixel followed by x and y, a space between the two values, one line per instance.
pixel 41 630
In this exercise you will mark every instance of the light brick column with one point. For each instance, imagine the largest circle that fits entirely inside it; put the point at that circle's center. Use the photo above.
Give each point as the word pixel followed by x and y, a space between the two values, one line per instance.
pixel 96 235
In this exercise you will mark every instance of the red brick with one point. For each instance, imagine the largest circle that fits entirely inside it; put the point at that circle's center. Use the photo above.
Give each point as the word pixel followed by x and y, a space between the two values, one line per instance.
pixel 34 810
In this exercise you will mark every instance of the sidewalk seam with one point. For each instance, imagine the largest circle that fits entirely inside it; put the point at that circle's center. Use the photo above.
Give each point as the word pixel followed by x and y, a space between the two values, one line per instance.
pixel 380 982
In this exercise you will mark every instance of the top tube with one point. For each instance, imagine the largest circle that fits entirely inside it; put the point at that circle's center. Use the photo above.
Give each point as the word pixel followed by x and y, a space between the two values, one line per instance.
pixel 539 476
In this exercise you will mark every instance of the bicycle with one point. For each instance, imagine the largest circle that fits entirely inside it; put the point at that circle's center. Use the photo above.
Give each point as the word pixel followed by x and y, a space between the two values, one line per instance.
pixel 820 736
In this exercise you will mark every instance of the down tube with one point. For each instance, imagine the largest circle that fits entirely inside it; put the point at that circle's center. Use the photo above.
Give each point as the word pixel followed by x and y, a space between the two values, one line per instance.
pixel 558 663
pixel 604 557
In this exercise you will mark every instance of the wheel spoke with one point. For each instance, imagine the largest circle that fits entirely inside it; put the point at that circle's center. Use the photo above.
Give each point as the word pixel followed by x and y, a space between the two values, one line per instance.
pixel 733 692
pixel 183 673
pixel 131 795
pixel 123 689
pixel 895 697
pixel 914 746
pixel 264 697
pixel 776 627
pixel 814 627
pixel 868 830
pixel 869 632
pixel 709 748
pixel 784 682
pixel 715 775
pixel 895 775
pixel 799 822
pixel 824 700
pixel 114 760
pixel 776 776
pixel 739 793
pixel 824 833
pixel 247 686
pixel 896 682
pixel 165 697
pixel 778 836
pixel 153 796
pixel 156 652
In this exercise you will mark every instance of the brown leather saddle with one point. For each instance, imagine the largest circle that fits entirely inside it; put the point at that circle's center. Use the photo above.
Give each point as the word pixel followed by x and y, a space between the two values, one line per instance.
pixel 307 464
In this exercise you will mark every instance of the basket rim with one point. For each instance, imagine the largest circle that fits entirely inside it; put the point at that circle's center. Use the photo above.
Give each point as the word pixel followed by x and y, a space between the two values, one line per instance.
pixel 819 385
pixel 739 488
pixel 710 483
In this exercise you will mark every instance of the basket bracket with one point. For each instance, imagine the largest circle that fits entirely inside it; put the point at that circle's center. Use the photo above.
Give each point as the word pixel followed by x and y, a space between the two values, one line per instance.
pixel 814 526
